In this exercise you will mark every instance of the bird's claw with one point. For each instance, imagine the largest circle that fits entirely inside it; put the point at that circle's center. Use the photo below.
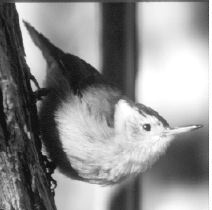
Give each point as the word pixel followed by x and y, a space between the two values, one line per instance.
pixel 41 92
pixel 31 77
pixel 50 166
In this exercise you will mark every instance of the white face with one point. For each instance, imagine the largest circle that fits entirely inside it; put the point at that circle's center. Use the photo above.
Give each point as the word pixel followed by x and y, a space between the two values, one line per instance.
pixel 145 128
pixel 137 124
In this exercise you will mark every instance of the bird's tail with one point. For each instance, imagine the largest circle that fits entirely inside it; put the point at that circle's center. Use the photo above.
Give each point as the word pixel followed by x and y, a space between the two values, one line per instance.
pixel 49 51
pixel 77 72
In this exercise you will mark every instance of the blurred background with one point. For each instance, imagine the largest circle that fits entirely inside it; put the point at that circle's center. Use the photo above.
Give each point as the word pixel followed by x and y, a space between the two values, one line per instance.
pixel 157 53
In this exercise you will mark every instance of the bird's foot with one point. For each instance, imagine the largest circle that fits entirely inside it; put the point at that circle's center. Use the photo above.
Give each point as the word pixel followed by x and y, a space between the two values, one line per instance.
pixel 41 92
pixel 50 166
pixel 31 77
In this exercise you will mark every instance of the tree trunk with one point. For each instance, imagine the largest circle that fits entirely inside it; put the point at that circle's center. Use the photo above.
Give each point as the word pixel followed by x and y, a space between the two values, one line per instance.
pixel 120 67
pixel 23 181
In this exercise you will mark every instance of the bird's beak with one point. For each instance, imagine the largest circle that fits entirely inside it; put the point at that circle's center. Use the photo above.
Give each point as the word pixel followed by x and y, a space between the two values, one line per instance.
pixel 179 130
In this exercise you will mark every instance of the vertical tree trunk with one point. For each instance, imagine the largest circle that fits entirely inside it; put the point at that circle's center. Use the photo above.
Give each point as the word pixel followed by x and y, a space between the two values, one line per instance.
pixel 120 67
pixel 120 45
pixel 23 181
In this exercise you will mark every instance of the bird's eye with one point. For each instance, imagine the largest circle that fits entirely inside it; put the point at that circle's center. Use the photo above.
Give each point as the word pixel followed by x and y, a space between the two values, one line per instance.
pixel 147 127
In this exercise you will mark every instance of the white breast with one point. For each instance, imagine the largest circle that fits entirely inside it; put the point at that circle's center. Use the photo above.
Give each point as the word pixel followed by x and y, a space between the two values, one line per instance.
pixel 86 138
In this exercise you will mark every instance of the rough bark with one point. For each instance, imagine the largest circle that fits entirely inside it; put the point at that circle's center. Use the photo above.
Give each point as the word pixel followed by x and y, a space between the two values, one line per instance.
pixel 23 181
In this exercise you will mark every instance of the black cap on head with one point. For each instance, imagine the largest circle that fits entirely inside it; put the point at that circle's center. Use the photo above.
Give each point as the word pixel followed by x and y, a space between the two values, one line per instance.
pixel 150 111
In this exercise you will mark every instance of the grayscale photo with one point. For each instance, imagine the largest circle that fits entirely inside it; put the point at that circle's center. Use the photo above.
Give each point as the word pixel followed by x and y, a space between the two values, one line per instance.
pixel 104 106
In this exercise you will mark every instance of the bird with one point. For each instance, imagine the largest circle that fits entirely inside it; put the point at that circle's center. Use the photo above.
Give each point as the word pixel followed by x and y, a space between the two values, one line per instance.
pixel 91 131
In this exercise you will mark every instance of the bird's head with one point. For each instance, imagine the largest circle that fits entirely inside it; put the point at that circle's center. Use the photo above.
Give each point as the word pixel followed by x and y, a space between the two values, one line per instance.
pixel 142 124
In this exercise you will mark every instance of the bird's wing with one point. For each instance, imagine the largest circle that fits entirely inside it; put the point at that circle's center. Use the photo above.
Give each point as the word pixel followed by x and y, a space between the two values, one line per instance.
pixel 79 73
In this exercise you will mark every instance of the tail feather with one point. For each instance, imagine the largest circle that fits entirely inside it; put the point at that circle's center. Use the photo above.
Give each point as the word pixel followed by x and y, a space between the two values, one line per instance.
pixel 77 72
pixel 49 51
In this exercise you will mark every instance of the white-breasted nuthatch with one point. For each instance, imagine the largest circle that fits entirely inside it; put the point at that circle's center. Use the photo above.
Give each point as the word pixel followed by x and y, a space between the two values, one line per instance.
pixel 90 130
